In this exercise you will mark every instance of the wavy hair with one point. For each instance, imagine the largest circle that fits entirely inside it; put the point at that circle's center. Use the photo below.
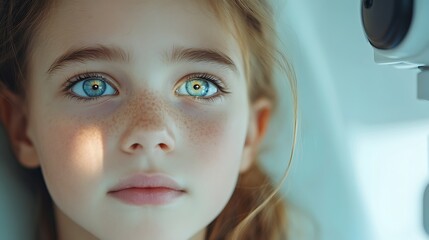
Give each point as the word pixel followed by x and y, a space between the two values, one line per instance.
pixel 256 210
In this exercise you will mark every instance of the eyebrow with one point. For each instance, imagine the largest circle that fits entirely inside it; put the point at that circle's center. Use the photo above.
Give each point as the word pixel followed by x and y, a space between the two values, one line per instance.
pixel 179 54
pixel 83 54
pixel 112 53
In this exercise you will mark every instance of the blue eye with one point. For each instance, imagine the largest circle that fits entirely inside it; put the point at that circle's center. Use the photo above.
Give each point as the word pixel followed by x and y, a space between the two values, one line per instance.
pixel 197 87
pixel 91 87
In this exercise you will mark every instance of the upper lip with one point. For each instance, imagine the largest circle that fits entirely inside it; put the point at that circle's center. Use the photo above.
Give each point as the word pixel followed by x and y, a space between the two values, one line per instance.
pixel 147 181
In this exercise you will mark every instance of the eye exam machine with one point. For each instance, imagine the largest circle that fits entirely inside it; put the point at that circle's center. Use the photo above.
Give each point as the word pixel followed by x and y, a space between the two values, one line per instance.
pixel 398 31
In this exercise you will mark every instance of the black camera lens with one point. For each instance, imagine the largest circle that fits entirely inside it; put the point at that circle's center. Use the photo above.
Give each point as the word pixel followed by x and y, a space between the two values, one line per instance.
pixel 386 22
pixel 368 3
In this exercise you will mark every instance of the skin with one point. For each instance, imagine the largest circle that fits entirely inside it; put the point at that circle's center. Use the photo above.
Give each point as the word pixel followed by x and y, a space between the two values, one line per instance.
pixel 85 147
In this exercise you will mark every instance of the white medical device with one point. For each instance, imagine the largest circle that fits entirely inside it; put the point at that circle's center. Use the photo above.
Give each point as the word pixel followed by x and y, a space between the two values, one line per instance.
pixel 399 32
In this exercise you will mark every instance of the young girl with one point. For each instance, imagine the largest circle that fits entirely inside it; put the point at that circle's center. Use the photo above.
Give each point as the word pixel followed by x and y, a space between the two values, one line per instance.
pixel 143 117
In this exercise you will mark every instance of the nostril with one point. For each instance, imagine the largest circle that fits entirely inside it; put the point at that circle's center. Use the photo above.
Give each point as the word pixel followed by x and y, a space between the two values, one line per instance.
pixel 136 146
pixel 164 146
pixel 144 142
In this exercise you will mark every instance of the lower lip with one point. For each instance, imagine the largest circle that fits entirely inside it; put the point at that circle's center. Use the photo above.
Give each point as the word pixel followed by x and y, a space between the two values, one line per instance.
pixel 147 196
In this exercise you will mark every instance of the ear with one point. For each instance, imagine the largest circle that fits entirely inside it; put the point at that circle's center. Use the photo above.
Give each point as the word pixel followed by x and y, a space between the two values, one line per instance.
pixel 13 116
pixel 260 114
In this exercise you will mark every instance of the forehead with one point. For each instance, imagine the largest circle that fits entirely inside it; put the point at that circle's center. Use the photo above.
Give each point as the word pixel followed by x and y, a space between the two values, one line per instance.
pixel 145 28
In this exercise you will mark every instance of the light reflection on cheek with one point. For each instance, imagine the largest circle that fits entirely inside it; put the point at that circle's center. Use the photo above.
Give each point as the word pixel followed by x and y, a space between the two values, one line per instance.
pixel 71 154
pixel 86 149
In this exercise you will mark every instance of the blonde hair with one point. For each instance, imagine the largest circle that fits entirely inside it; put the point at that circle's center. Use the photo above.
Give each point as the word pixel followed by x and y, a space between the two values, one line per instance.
pixel 256 206
pixel 255 210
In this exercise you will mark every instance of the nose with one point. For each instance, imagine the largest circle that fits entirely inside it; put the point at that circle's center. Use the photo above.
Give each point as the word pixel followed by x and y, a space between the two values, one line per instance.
pixel 149 127
pixel 148 141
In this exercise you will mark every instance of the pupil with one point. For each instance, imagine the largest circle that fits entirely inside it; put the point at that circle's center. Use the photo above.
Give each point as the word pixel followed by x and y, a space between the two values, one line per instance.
pixel 197 86
pixel 95 87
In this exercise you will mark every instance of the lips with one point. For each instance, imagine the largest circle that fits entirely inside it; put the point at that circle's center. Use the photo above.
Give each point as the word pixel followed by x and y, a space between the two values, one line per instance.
pixel 143 189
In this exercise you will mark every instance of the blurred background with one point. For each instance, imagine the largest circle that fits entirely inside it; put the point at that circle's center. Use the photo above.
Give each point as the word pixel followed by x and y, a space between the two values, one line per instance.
pixel 361 163
pixel 361 160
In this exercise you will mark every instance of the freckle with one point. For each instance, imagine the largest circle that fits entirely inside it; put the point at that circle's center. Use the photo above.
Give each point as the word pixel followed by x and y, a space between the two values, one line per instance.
pixel 146 110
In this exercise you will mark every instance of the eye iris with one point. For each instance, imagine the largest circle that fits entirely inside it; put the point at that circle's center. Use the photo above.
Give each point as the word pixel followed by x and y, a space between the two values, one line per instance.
pixel 94 87
pixel 197 88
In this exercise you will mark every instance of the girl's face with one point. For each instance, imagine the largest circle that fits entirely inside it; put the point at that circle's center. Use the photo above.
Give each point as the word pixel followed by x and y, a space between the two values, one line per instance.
pixel 152 91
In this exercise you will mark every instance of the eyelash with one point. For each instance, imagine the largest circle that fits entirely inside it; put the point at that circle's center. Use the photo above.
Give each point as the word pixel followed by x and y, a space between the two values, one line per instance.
pixel 212 79
pixel 82 77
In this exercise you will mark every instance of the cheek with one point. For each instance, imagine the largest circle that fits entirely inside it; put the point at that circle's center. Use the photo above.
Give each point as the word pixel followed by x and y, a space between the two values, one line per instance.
pixel 216 156
pixel 71 157
pixel 215 140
